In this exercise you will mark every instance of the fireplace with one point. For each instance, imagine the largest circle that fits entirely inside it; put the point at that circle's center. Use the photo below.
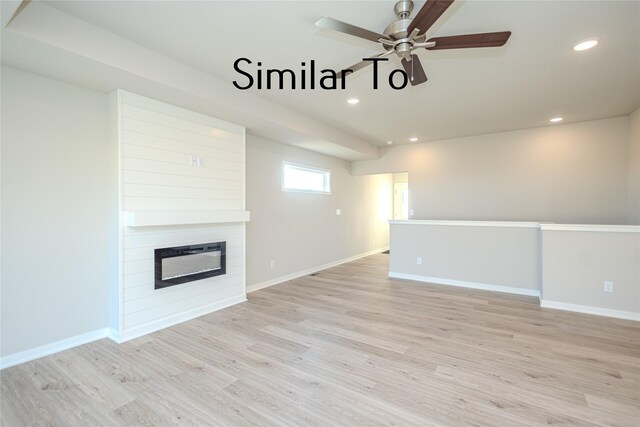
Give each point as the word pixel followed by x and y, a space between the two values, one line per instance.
pixel 182 264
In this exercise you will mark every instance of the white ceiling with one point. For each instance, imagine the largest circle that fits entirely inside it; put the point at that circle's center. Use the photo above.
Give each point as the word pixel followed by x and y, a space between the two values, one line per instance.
pixel 534 77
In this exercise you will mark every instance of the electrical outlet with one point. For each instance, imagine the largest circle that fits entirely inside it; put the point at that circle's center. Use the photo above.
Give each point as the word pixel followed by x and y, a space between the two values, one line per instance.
pixel 338 212
pixel 200 162
pixel 273 264
pixel 193 161
pixel 419 261
pixel 410 212
pixel 608 286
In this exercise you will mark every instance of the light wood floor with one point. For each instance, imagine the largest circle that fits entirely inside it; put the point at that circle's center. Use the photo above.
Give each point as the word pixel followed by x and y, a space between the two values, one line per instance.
pixel 347 347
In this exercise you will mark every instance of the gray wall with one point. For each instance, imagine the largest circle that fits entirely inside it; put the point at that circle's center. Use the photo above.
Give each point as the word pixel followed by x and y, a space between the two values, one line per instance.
pixel 54 211
pixel 301 231
pixel 574 173
pixel 575 265
pixel 483 255
pixel 633 214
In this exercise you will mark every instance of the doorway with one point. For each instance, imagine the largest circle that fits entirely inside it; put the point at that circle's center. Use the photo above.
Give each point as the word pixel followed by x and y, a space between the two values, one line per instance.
pixel 400 196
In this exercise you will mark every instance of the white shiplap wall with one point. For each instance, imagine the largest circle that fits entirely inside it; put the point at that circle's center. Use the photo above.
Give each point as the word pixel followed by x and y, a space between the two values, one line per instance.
pixel 156 142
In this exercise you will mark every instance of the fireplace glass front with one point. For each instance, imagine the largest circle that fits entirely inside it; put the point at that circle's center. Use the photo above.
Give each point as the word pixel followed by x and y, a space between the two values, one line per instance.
pixel 182 264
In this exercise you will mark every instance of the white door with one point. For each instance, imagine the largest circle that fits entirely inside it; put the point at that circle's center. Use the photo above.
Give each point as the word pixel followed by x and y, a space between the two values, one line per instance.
pixel 400 200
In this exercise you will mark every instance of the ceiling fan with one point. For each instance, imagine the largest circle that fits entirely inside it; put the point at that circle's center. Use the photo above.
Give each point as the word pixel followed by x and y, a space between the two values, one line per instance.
pixel 406 35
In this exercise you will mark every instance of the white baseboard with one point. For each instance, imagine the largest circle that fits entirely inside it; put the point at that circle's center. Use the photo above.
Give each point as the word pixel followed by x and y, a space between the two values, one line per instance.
pixel 618 314
pixel 463 284
pixel 54 347
pixel 287 277
pixel 147 328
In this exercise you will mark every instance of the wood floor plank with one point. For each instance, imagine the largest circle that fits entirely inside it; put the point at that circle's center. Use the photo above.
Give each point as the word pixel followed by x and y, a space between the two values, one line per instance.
pixel 346 346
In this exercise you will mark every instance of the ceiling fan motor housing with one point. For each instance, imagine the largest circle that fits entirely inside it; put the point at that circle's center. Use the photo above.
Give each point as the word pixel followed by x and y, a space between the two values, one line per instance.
pixel 398 30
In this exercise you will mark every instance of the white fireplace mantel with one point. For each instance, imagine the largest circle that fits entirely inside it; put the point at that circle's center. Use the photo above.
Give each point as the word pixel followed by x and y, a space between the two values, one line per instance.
pixel 153 218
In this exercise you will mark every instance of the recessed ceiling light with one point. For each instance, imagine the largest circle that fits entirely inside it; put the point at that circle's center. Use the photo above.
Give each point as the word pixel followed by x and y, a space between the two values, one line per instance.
pixel 389 142
pixel 353 101
pixel 585 45
pixel 414 139
pixel 556 119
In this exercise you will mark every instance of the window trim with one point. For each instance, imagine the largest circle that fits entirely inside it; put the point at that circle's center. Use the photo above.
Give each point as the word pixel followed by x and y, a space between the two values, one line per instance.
pixel 326 172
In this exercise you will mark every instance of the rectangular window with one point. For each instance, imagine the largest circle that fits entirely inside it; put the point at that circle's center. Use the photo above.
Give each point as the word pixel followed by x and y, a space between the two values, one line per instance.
pixel 305 179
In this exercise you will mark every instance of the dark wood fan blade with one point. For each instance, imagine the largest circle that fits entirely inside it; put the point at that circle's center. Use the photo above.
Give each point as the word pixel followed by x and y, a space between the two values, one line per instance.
pixel 352 30
pixel 428 15
pixel 470 40
pixel 414 70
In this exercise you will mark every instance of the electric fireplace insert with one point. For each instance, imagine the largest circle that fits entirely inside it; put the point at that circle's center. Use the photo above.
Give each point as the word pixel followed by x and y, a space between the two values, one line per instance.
pixel 182 264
